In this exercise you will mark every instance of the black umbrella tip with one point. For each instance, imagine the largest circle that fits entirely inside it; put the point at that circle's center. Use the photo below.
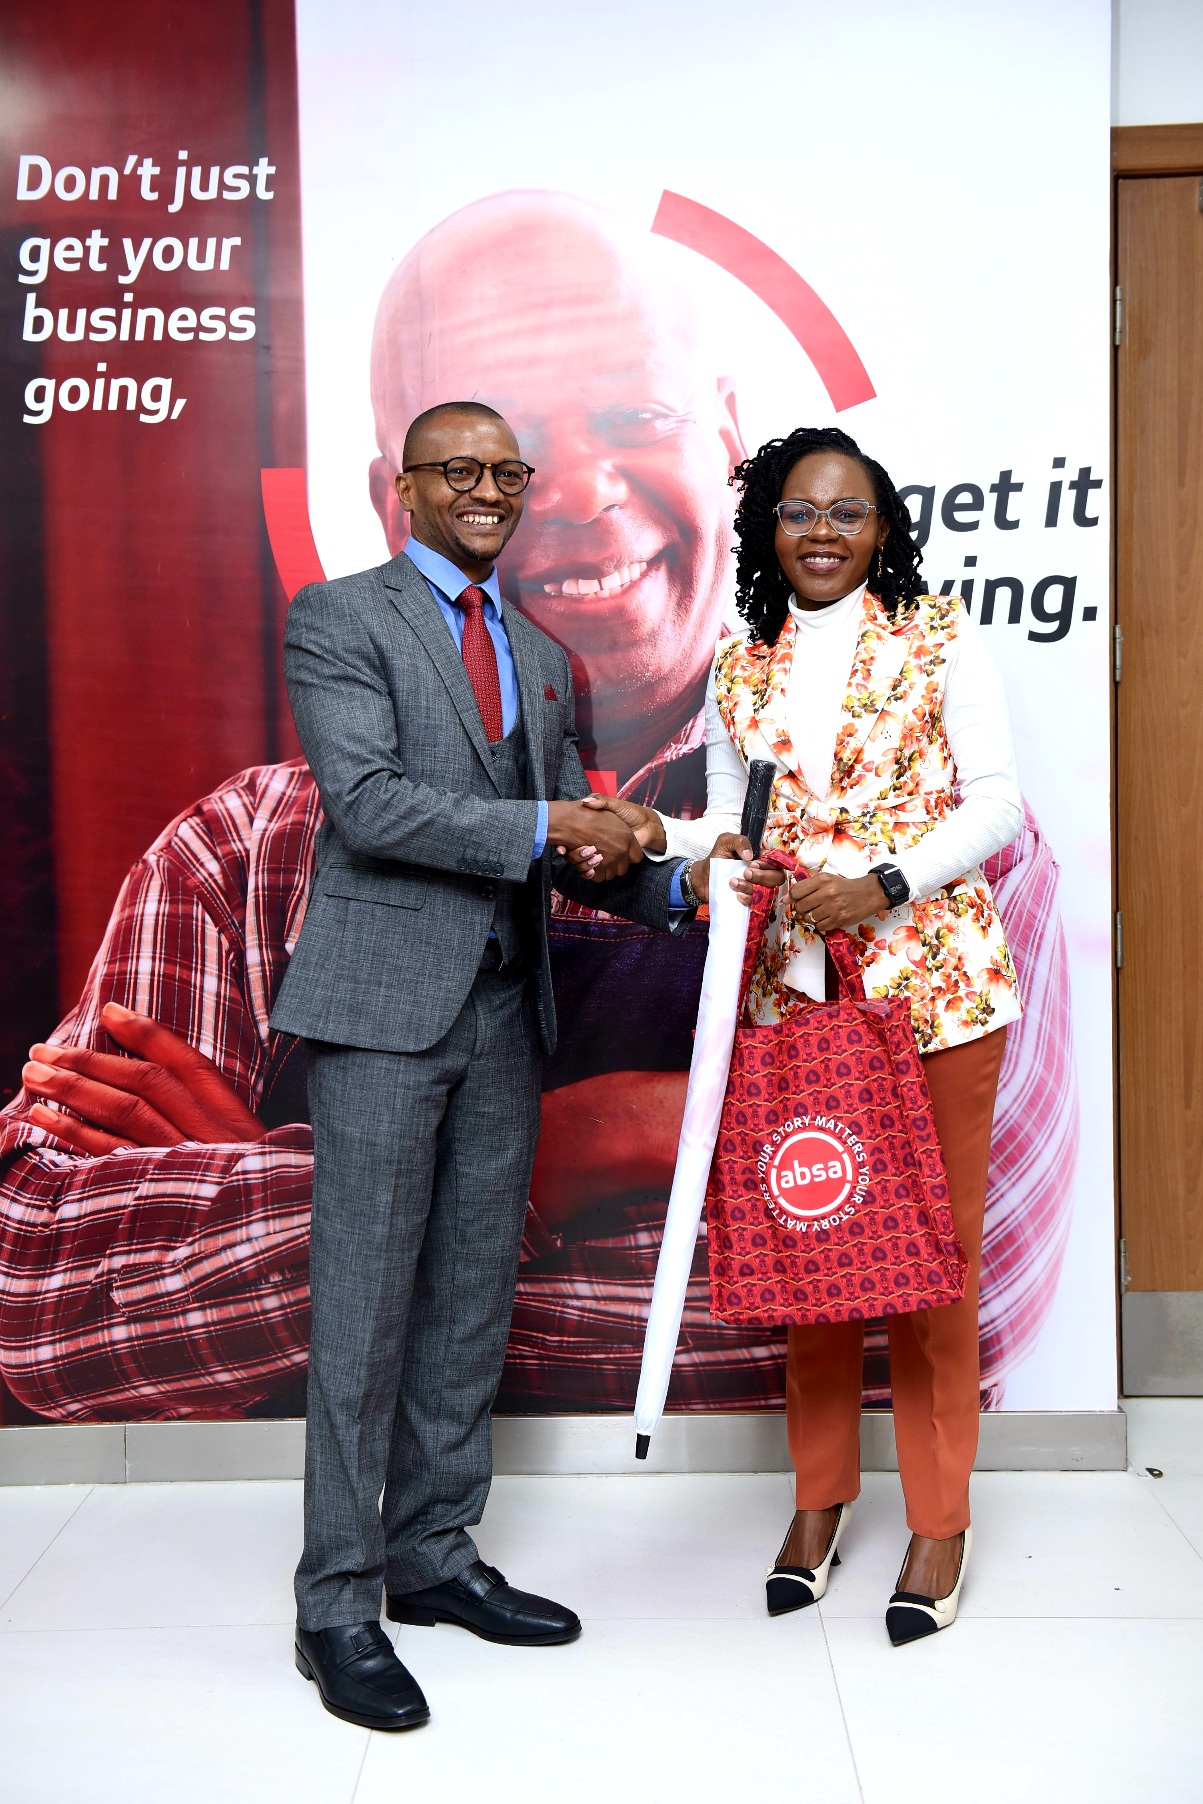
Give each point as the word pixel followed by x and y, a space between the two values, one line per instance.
pixel 642 1443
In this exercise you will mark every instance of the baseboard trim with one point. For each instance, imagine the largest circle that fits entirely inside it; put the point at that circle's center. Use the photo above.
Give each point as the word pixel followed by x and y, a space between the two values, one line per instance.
pixel 164 1452
pixel 1163 1343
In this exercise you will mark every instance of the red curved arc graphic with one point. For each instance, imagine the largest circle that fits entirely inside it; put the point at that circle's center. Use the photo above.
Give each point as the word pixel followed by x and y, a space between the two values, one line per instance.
pixel 286 514
pixel 699 228
pixel 779 286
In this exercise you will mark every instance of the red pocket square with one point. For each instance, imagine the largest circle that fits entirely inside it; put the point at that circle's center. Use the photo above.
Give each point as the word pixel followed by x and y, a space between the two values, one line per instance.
pixel 549 693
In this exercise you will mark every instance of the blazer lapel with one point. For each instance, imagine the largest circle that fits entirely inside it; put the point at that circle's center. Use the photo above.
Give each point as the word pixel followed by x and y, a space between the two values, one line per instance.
pixel 414 602
pixel 771 712
pixel 875 680
pixel 530 694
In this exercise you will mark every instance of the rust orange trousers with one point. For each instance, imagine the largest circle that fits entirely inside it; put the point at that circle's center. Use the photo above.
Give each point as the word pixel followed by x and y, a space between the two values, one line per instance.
pixel 934 1375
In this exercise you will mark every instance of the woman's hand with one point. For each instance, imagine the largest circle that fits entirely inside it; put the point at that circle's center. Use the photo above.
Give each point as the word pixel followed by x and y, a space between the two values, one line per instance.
pixel 823 901
pixel 828 902
pixel 757 875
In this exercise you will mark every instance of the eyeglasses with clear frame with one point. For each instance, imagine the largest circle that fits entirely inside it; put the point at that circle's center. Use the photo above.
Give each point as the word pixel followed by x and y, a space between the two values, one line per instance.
pixel 463 474
pixel 847 517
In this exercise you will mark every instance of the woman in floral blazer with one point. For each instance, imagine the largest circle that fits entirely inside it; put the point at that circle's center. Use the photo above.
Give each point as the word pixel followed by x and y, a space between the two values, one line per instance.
pixel 887 723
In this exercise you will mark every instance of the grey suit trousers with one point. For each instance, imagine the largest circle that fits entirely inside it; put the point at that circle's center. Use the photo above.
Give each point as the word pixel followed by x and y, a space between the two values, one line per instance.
pixel 421 1178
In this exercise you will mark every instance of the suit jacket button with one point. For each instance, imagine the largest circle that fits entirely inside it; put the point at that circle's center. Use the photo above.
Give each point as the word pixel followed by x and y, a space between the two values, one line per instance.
pixel 488 891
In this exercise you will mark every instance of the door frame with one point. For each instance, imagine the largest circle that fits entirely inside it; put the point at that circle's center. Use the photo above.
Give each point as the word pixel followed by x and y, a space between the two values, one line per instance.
pixel 1136 150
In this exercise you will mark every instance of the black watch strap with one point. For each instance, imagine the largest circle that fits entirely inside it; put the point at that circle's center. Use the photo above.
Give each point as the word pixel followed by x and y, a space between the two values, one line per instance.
pixel 892 881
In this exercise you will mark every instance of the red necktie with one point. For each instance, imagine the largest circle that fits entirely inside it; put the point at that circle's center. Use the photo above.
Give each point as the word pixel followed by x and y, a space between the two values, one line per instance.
pixel 480 661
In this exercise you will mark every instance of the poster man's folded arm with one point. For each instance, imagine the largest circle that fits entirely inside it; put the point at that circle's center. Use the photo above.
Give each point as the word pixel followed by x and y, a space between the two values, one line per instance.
pixel 144 1283
pixel 169 1276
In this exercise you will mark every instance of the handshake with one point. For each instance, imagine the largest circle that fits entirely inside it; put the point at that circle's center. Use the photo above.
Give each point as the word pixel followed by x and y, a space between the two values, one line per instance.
pixel 165 1093
pixel 603 836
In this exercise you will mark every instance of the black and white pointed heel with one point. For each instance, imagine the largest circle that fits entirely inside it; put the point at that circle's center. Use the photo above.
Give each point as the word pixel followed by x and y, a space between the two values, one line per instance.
pixel 910 1617
pixel 793 1587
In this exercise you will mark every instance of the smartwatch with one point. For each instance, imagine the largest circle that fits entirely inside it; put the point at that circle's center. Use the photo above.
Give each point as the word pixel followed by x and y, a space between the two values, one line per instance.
pixel 892 881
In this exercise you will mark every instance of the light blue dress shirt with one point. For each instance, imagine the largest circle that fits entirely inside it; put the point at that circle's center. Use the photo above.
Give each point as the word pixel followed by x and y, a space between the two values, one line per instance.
pixel 447 582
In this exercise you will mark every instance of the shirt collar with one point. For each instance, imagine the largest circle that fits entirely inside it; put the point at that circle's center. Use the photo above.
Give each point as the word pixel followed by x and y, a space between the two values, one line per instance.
pixel 445 575
pixel 834 614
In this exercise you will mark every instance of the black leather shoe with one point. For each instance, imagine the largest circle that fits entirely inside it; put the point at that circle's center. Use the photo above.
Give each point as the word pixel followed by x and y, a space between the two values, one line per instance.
pixel 360 1677
pixel 480 1600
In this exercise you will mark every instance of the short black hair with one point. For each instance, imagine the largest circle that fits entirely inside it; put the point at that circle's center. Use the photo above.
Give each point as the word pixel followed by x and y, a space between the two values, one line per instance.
pixel 761 591
pixel 476 409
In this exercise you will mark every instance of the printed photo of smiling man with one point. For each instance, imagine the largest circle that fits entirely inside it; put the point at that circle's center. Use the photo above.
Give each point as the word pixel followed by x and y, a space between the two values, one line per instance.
pixel 584 334
pixel 589 337
pixel 190 1176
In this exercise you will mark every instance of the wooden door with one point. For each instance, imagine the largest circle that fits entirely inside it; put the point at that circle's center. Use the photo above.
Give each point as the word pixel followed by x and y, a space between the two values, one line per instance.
pixel 1159 777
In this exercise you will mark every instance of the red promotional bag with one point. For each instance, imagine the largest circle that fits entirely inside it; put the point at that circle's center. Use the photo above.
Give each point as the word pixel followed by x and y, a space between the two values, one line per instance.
pixel 827 1199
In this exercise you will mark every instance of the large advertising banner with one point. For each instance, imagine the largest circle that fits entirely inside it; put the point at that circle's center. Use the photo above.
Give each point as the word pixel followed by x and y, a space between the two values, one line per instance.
pixel 653 238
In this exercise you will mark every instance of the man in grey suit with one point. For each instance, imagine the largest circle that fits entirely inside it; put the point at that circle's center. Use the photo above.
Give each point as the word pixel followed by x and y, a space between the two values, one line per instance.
pixel 438 723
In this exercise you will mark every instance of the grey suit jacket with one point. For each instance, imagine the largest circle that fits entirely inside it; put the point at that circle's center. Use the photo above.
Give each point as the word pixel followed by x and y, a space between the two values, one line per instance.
pixel 416 833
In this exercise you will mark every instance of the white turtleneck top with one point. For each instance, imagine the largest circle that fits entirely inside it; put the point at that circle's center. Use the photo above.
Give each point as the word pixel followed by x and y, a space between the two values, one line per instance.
pixel 989 813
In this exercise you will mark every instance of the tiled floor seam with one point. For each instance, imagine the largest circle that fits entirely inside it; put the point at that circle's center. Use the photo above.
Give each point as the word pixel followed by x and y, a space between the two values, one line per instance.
pixel 367 1742
pixel 1166 1511
pixel 840 1700
pixel 7 1599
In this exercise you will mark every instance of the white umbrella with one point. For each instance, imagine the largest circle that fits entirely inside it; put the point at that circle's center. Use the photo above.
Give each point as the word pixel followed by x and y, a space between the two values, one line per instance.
pixel 708 1070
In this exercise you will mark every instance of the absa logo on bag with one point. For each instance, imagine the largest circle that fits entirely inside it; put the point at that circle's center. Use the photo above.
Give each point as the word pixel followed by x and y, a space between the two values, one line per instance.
pixel 813 1172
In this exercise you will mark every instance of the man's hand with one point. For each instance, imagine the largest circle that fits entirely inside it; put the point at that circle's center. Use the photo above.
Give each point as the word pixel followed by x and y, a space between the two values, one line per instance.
pixel 727 845
pixel 597 840
pixel 169 1093
pixel 644 823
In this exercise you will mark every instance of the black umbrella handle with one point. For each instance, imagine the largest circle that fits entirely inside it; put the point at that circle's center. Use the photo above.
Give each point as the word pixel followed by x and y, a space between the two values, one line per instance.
pixel 761 773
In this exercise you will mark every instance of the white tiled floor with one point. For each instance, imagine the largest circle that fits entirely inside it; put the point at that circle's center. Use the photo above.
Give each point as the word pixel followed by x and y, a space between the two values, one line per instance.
pixel 145 1650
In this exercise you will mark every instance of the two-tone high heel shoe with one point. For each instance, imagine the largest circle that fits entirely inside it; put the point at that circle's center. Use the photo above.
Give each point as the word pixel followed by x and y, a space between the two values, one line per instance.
pixel 793 1587
pixel 909 1617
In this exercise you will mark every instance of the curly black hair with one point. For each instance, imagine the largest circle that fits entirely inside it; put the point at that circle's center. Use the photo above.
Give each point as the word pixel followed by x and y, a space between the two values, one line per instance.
pixel 761 591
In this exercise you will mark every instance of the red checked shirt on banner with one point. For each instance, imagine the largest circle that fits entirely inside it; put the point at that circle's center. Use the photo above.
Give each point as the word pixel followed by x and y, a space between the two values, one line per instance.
pixel 893 781
pixel 173 1281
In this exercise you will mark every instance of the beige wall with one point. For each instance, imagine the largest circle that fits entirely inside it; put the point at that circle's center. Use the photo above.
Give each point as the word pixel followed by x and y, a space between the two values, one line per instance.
pixel 1156 62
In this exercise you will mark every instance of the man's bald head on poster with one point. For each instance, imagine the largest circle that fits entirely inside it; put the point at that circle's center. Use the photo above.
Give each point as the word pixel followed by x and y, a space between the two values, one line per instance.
pixel 586 338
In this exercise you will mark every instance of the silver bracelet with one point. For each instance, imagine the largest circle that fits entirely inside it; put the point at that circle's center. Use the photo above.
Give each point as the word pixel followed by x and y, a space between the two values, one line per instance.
pixel 689 895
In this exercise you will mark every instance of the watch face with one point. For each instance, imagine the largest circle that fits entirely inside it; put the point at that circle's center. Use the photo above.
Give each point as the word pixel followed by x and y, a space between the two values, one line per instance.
pixel 894 884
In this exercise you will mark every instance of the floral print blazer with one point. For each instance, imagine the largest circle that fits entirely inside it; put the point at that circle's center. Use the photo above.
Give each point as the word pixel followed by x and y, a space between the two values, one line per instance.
pixel 892 780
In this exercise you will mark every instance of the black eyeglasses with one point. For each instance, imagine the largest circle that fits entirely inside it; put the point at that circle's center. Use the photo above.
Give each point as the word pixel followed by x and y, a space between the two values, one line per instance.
pixel 845 517
pixel 464 473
